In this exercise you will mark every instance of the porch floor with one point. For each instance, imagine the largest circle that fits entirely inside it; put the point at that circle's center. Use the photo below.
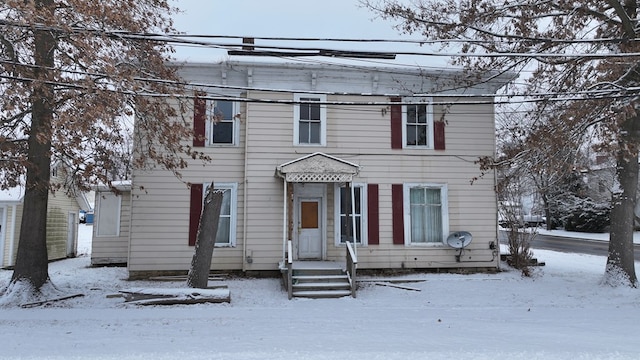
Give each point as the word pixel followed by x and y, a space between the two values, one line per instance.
pixel 317 264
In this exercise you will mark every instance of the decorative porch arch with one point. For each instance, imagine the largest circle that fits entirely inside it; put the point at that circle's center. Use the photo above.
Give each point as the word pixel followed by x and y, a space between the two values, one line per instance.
pixel 313 168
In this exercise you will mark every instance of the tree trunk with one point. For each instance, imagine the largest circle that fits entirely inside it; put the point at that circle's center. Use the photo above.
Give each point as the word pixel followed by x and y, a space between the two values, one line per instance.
pixel 620 261
pixel 198 276
pixel 32 260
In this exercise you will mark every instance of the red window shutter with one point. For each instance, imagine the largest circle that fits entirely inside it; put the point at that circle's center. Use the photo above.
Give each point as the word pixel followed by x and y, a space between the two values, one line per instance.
pixel 373 215
pixel 194 212
pixel 397 212
pixel 199 117
pixel 438 135
pixel 396 124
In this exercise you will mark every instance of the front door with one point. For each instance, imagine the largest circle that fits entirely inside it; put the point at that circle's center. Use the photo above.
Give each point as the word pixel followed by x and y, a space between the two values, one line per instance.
pixel 309 228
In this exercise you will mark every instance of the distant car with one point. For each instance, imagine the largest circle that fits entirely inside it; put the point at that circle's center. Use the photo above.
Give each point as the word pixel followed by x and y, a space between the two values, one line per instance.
pixel 523 221
pixel 534 220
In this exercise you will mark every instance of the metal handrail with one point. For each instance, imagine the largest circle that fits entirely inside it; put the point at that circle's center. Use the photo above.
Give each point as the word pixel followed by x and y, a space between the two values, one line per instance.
pixel 352 264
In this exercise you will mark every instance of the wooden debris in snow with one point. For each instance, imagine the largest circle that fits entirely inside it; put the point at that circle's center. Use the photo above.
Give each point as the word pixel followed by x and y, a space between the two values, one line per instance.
pixel 168 296
pixel 397 286
pixel 391 280
pixel 38 303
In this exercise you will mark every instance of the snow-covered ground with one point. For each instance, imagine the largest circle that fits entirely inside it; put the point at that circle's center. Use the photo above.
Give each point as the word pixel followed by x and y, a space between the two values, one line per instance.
pixel 562 312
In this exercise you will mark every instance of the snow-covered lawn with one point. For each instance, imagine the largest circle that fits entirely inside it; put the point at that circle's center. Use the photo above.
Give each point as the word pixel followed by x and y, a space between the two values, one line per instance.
pixel 560 313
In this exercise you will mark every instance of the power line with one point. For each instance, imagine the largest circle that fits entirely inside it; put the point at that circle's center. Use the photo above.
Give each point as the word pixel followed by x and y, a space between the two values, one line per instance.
pixel 616 92
pixel 318 51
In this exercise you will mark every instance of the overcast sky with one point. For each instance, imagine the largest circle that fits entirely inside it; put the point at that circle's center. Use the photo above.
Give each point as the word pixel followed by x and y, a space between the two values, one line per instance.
pixel 289 18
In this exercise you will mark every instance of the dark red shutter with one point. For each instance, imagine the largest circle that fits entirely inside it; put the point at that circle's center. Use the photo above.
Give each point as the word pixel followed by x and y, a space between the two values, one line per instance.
pixel 199 117
pixel 397 212
pixel 438 135
pixel 195 212
pixel 373 215
pixel 396 124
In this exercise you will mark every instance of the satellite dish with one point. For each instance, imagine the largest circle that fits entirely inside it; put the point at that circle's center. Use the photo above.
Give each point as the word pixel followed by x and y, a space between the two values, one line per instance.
pixel 459 239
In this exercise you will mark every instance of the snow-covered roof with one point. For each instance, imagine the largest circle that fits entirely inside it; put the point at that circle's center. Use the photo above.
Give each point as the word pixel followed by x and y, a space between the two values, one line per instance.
pixel 122 185
pixel 341 79
pixel 14 194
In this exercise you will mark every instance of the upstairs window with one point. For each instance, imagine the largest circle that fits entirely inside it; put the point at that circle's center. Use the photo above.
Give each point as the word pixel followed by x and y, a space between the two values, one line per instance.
pixel 417 124
pixel 310 120
pixel 223 129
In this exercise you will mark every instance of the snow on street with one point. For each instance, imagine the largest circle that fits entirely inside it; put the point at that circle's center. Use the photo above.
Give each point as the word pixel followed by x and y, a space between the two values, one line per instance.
pixel 562 312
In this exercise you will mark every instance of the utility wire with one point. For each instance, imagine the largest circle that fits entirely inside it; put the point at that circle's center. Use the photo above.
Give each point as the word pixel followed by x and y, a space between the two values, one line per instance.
pixel 313 51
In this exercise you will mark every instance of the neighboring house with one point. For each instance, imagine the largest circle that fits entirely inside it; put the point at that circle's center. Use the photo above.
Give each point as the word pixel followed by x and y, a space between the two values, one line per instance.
pixel 600 178
pixel 292 143
pixel 62 223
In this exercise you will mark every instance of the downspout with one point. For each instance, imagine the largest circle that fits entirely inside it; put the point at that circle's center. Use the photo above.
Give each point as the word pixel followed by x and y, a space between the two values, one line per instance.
pixel 353 220
pixel 245 195
pixel 130 223
pixel 284 222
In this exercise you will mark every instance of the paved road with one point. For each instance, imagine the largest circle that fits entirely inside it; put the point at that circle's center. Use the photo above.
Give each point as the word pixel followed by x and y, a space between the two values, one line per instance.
pixel 571 245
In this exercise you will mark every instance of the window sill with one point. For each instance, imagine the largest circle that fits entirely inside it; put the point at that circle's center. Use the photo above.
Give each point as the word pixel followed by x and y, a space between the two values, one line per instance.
pixel 427 245
pixel 415 147
pixel 222 145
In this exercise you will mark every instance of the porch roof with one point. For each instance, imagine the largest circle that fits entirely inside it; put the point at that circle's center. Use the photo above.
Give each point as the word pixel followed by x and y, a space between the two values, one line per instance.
pixel 318 168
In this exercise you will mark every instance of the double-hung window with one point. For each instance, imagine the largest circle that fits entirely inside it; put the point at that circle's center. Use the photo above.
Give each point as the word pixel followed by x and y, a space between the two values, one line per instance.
pixel 310 120
pixel 426 213
pixel 226 234
pixel 344 211
pixel 223 128
pixel 417 123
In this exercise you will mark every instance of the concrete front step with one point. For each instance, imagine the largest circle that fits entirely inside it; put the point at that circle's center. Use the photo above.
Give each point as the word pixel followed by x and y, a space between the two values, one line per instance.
pixel 317 272
pixel 322 294
pixel 342 285
pixel 320 283
pixel 319 278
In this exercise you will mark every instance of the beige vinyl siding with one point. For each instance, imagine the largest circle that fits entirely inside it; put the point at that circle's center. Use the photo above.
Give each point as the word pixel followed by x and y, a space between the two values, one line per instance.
pixel 60 205
pixel 113 249
pixel 10 235
pixel 362 135
pixel 358 134
pixel 16 233
pixel 160 212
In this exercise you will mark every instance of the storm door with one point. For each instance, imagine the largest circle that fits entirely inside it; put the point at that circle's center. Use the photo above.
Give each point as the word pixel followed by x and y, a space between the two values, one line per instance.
pixel 310 228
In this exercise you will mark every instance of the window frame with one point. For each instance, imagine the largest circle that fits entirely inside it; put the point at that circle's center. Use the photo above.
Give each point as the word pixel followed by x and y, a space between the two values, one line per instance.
pixel 428 102
pixel 99 210
pixel 321 98
pixel 444 210
pixel 363 214
pixel 210 105
pixel 233 210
